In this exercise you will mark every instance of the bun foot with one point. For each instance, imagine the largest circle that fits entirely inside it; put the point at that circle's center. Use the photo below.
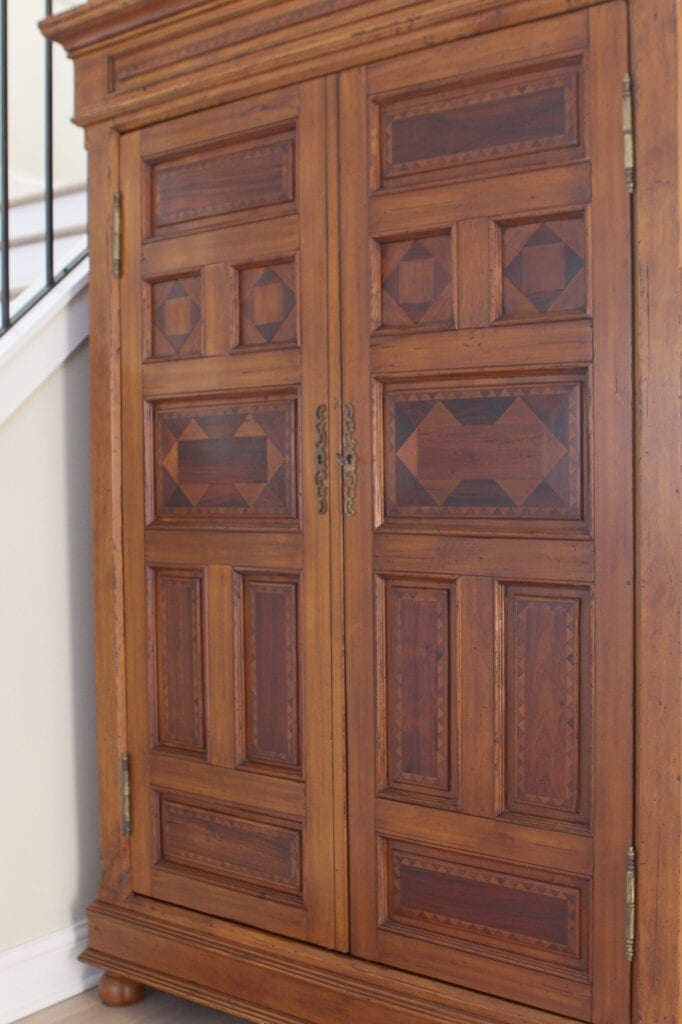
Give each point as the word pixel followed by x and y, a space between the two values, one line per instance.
pixel 114 991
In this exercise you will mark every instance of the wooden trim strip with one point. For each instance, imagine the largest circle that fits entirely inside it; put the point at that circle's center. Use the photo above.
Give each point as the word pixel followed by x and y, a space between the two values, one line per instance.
pixel 262 972
pixel 367 31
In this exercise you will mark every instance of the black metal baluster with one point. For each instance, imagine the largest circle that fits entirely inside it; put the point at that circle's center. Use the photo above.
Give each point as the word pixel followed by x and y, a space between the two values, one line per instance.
pixel 49 168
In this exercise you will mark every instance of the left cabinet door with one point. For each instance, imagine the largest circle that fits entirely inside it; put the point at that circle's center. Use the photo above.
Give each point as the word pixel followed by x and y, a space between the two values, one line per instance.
pixel 226 529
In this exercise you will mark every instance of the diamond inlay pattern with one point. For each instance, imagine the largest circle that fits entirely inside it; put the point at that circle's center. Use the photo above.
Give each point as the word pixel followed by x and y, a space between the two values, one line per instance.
pixel 225 460
pixel 509 451
pixel 544 268
pixel 416 282
pixel 176 318
pixel 267 305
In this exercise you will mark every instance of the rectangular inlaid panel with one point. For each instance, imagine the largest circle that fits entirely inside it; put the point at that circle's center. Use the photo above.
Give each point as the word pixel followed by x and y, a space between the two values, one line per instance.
pixel 266 619
pixel 547 668
pixel 227 459
pixel 505 451
pixel 416 283
pixel 223 180
pixel 231 847
pixel 267 314
pixel 177 320
pixel 544 267
pixel 527 113
pixel 503 908
pixel 418 673
pixel 177 626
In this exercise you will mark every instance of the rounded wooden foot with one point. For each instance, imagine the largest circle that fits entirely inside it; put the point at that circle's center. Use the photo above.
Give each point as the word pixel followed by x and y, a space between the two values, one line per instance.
pixel 115 991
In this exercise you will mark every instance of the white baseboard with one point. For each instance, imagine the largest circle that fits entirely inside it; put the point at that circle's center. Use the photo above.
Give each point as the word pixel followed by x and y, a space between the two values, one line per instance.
pixel 43 972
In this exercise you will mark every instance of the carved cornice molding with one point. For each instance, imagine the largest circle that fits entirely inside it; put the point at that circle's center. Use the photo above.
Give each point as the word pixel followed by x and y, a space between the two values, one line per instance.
pixel 138 58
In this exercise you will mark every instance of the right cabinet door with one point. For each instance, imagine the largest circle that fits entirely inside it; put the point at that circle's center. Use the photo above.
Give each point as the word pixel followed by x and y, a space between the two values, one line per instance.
pixel 486 312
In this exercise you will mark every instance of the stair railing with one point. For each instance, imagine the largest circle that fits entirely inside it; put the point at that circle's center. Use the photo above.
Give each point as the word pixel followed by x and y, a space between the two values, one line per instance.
pixel 52 273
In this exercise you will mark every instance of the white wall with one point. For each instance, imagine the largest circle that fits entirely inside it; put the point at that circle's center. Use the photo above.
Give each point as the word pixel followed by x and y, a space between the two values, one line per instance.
pixel 48 818
pixel 26 104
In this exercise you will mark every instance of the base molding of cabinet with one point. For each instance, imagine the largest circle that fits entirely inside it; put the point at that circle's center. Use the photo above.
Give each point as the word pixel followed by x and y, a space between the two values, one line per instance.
pixel 271 980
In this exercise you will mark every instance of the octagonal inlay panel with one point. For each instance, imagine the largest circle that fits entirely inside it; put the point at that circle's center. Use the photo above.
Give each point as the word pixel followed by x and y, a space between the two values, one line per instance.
pixel 227 459
pixel 544 269
pixel 416 283
pixel 506 451
pixel 267 306
pixel 177 322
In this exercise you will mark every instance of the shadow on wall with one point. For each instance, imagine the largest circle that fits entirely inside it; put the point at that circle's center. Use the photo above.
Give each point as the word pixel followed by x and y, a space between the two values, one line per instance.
pixel 75 425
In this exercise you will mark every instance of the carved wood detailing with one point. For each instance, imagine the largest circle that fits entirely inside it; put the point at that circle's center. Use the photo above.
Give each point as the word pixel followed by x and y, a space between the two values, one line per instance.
pixel 229 459
pixel 238 176
pixel 418 682
pixel 178 628
pixel 234 848
pixel 460 900
pixel 266 646
pixel 268 312
pixel 177 319
pixel 548 700
pixel 544 267
pixel 527 113
pixel 416 283
pixel 506 451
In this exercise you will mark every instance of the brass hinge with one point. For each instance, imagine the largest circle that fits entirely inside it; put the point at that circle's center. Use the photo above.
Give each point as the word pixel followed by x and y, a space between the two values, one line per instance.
pixel 628 134
pixel 116 235
pixel 630 904
pixel 125 794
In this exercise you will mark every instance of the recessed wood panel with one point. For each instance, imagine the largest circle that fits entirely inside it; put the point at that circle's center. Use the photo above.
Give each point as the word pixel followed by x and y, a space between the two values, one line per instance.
pixel 503 451
pixel 266 618
pixel 268 313
pixel 528 113
pixel 227 459
pixel 548 702
pixel 418 699
pixel 416 283
pixel 500 907
pixel 544 269
pixel 177 318
pixel 223 180
pixel 177 626
pixel 233 848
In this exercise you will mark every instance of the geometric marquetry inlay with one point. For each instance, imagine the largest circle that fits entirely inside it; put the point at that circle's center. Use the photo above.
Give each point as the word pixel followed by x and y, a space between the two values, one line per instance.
pixel 544 267
pixel 547 702
pixel 176 318
pixel 511 450
pixel 266 613
pixel 178 622
pixel 226 845
pixel 216 182
pixel 418 687
pixel 500 908
pixel 227 459
pixel 416 282
pixel 515 116
pixel 267 305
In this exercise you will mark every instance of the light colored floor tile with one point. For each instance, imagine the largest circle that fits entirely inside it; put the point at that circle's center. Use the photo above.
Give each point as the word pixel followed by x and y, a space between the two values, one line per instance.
pixel 155 1008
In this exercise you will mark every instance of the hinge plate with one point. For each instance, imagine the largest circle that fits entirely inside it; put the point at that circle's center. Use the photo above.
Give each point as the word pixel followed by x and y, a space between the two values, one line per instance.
pixel 628 134
pixel 116 235
pixel 125 794
pixel 630 904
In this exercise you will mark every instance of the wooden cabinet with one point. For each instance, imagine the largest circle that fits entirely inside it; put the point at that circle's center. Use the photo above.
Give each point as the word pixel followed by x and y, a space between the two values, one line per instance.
pixel 363 414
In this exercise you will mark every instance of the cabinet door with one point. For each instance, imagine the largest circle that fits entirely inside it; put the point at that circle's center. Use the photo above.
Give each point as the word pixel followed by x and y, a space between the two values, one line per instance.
pixel 225 512
pixel 486 319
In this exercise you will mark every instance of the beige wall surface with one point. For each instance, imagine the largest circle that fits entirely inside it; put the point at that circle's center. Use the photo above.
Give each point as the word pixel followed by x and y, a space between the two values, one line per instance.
pixel 48 830
pixel 26 48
